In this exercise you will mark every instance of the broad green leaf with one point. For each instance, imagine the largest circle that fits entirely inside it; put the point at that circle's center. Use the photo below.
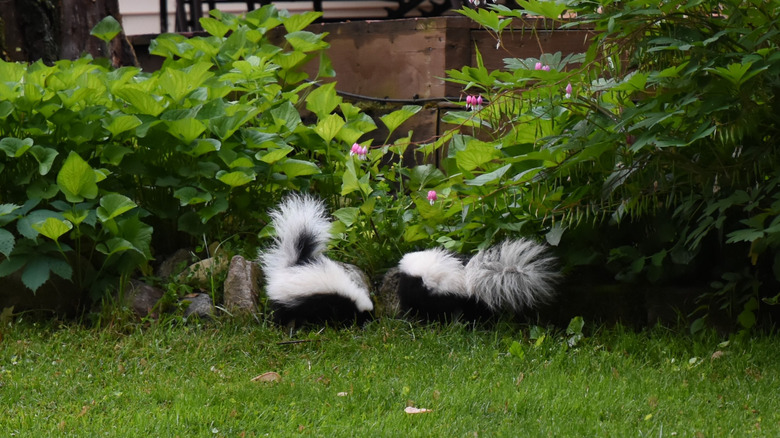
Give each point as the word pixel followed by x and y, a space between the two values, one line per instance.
pixel 77 179
pixel 36 273
pixel 286 115
pixel 53 228
pixel 328 127
pixel 141 101
pixel 45 157
pixel 201 146
pixel 14 147
pixel 547 8
pixel 191 195
pixel 187 129
pixel 351 183
pixel 122 123
pixel 7 242
pixel 274 155
pixel 397 117
pixel 347 215
pixel 485 178
pixel 235 178
pixel 306 41
pixel 294 168
pixel 220 205
pixel 112 205
pixel 297 22
pixel 106 29
pixel 214 26
pixel 476 154
pixel 323 100
pixel 115 245
pixel 113 154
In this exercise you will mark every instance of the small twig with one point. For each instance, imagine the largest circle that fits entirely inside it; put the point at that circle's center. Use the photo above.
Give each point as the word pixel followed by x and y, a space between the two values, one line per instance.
pixel 297 341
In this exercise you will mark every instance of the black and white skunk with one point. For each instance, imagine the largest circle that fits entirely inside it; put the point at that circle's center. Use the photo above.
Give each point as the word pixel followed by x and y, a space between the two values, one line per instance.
pixel 438 285
pixel 302 284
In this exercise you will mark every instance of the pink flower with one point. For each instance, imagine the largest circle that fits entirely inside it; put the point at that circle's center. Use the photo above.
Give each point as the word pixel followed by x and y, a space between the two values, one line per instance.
pixel 568 91
pixel 538 66
pixel 546 68
pixel 474 102
pixel 360 151
pixel 432 196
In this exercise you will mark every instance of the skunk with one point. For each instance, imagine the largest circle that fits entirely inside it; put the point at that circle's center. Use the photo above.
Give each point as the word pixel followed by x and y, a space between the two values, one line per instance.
pixel 302 284
pixel 438 285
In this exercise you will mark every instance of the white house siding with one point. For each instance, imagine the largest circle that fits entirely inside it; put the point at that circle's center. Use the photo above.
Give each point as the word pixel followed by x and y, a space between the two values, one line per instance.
pixel 143 16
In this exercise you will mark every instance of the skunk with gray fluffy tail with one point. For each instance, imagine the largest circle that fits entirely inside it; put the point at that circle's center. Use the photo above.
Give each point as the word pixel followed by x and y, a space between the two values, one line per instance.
pixel 302 284
pixel 438 285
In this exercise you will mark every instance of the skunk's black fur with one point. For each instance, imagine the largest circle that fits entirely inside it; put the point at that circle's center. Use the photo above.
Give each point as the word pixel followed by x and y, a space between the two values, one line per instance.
pixel 437 285
pixel 302 284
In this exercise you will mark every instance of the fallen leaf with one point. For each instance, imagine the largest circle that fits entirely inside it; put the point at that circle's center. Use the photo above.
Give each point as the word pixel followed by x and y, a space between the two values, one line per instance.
pixel 413 410
pixel 717 355
pixel 342 394
pixel 270 376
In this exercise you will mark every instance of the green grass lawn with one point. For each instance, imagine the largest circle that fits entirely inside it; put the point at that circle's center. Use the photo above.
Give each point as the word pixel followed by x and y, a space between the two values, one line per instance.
pixel 196 380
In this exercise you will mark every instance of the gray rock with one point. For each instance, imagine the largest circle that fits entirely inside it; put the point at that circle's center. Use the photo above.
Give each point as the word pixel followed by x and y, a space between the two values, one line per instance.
pixel 142 298
pixel 198 305
pixel 241 286
pixel 175 263
pixel 387 298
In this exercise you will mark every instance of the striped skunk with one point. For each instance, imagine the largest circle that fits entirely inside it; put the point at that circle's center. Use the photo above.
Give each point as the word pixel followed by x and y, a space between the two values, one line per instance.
pixel 302 284
pixel 438 285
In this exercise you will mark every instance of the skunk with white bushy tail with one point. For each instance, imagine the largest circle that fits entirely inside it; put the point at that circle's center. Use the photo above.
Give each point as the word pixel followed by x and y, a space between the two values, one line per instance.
pixel 438 285
pixel 302 284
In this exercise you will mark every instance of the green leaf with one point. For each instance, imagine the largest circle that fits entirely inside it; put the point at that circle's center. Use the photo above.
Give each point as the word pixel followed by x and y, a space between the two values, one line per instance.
pixel 106 29
pixel 141 101
pixel 328 127
pixel 186 129
pixel 305 41
pixel 191 195
pixel 347 215
pixel 112 205
pixel 297 22
pixel 214 26
pixel 220 205
pixel 77 179
pixel 45 157
pixel 476 154
pixel 120 124
pixel 294 168
pixel 7 242
pixel 36 273
pixel 274 155
pixel 53 228
pixel 323 100
pixel 114 245
pixel 236 178
pixel 14 147
pixel 485 178
pixel 397 117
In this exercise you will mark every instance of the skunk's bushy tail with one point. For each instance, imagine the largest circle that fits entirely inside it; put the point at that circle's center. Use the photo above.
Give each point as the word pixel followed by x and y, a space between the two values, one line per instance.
pixel 515 275
pixel 302 232
pixel 510 277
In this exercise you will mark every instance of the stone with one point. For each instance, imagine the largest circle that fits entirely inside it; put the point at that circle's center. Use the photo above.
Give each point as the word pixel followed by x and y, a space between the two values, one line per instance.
pixel 241 286
pixel 387 304
pixel 175 263
pixel 198 305
pixel 200 274
pixel 142 298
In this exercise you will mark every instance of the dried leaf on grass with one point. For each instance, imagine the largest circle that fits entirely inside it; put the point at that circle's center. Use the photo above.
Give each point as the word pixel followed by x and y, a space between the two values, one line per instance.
pixel 413 410
pixel 270 376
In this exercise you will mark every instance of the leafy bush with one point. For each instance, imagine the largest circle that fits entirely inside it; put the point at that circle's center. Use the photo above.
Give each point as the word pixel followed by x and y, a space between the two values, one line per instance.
pixel 96 159
pixel 654 154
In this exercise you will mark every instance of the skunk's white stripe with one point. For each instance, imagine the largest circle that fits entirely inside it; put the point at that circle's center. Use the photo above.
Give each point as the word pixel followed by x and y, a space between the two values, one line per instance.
pixel 322 276
pixel 440 270
pixel 513 275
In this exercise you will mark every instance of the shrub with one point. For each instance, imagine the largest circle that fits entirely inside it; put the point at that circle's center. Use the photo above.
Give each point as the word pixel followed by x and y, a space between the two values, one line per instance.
pixel 661 139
